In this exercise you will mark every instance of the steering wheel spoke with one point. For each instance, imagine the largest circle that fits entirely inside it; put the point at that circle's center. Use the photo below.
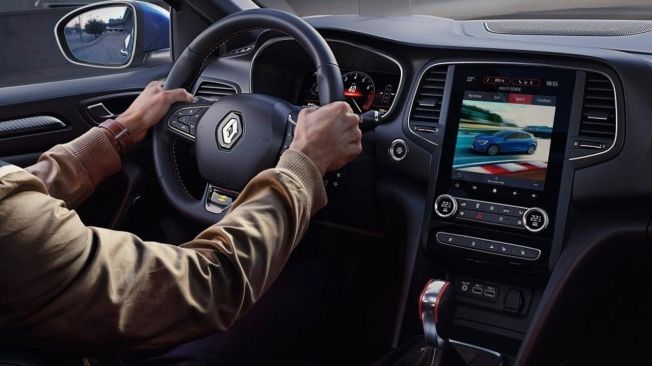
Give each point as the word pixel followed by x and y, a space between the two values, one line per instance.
pixel 216 200
pixel 289 128
pixel 184 118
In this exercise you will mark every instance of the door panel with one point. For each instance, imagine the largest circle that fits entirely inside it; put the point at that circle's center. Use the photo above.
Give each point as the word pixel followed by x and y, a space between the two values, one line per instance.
pixel 67 101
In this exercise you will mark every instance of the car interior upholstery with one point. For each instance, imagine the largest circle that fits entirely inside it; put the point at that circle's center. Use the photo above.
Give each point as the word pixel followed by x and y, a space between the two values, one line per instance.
pixel 509 163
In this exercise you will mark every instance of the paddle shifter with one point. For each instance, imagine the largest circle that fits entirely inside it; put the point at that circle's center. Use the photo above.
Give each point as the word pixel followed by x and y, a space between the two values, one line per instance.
pixel 436 307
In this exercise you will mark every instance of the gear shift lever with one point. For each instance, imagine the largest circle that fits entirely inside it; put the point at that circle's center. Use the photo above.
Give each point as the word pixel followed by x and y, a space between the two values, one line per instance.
pixel 436 307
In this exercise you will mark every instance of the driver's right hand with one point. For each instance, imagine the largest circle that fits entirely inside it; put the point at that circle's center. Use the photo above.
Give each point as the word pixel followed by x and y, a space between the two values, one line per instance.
pixel 328 135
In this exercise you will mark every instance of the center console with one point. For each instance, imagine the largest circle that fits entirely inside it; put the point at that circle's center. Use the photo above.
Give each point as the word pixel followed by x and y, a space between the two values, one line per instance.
pixel 498 182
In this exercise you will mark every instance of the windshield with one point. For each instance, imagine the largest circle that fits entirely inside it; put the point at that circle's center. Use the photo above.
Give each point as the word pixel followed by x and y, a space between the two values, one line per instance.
pixel 473 9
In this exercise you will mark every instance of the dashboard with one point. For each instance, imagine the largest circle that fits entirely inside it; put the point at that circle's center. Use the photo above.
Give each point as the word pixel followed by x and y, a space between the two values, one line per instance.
pixel 492 149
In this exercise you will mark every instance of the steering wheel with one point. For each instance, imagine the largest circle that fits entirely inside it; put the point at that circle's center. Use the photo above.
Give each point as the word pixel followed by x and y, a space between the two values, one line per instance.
pixel 237 136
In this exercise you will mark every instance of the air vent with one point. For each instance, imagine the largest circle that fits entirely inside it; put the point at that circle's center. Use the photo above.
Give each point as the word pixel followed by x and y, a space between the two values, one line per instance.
pixel 426 108
pixel 599 108
pixel 597 130
pixel 214 90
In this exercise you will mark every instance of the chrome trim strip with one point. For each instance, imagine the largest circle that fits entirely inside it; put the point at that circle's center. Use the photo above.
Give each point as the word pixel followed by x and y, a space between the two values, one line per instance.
pixel 487 252
pixel 92 6
pixel 399 90
pixel 449 63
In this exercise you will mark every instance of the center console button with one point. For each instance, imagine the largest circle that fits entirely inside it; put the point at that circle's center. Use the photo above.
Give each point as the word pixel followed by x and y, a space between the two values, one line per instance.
pixel 474 243
pixel 535 219
pixel 505 249
pixel 491 246
pixel 506 210
pixel 445 205
pixel 398 149
pixel 462 203
pixel 449 239
pixel 525 252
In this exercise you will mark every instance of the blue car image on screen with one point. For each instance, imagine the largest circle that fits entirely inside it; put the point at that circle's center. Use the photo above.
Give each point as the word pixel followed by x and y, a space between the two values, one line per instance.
pixel 505 141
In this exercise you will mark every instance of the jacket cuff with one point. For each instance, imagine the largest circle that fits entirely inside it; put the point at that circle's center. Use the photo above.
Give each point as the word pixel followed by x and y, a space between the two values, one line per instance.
pixel 306 172
pixel 96 153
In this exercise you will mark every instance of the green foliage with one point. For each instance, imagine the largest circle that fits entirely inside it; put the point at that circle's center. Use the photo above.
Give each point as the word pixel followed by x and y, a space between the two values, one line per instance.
pixel 95 26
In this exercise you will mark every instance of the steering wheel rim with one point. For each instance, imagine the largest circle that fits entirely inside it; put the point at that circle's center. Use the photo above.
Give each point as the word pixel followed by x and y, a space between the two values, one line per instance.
pixel 187 69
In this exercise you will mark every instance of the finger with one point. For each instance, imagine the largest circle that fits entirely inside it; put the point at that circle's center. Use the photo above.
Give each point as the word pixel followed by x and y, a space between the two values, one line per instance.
pixel 354 150
pixel 306 111
pixel 179 95
pixel 338 107
pixel 352 119
pixel 357 135
pixel 155 84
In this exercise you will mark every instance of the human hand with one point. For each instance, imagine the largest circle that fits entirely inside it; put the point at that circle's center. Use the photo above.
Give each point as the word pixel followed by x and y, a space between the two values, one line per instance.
pixel 149 108
pixel 329 135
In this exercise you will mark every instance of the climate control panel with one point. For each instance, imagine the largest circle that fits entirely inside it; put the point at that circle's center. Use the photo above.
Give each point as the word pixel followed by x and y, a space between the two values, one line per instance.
pixel 532 219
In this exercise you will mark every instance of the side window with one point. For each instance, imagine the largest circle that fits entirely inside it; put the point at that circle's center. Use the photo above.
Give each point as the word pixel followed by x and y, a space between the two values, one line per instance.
pixel 29 47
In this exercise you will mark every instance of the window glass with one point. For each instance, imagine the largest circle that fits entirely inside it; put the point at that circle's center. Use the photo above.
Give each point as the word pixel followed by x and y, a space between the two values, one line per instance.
pixel 30 51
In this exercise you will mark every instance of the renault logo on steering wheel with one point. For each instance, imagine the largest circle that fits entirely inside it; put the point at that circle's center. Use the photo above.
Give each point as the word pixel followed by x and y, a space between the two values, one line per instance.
pixel 229 131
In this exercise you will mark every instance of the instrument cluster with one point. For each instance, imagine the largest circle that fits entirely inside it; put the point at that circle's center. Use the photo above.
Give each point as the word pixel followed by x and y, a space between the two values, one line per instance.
pixel 364 91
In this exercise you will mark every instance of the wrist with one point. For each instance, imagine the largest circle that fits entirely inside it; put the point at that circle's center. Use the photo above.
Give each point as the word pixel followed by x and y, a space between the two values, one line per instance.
pixel 319 164
pixel 119 135
pixel 132 123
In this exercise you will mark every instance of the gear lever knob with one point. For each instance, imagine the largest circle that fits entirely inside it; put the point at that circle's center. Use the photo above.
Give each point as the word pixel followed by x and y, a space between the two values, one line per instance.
pixel 436 308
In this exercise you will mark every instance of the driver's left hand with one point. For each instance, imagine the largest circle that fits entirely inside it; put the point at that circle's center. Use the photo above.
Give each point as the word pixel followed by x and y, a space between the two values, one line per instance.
pixel 149 108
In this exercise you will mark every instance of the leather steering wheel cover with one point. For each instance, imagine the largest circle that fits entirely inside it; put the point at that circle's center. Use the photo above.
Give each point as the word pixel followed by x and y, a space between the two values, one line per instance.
pixel 191 63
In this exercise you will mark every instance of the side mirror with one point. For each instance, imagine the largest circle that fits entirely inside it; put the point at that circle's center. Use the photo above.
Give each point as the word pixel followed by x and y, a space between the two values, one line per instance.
pixel 113 34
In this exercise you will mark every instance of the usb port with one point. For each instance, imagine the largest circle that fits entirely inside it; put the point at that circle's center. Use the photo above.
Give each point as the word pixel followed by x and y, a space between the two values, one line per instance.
pixel 490 292
pixel 477 290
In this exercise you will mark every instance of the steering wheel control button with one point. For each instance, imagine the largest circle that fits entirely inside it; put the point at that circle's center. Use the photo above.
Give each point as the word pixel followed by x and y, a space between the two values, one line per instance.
pixel 535 219
pixel 488 246
pixel 398 150
pixel 217 202
pixel 180 126
pixel 445 206
pixel 185 120
pixel 188 111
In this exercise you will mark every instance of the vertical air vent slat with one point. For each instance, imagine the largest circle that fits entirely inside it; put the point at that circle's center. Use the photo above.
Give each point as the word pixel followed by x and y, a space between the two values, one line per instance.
pixel 598 109
pixel 424 114
pixel 214 90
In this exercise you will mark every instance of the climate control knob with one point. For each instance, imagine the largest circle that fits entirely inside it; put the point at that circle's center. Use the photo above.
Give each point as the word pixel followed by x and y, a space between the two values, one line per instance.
pixel 445 205
pixel 535 219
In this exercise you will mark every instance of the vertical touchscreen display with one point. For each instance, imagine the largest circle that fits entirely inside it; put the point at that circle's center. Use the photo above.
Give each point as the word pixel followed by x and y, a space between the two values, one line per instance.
pixel 507 119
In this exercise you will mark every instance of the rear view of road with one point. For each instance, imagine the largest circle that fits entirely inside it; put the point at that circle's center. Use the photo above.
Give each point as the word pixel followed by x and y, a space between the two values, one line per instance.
pixel 105 49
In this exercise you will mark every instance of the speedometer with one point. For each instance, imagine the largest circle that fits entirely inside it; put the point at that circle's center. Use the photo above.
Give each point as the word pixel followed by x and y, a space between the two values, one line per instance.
pixel 359 90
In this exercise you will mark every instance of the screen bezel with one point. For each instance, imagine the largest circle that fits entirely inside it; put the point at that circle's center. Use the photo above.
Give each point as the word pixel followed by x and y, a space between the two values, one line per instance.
pixel 546 199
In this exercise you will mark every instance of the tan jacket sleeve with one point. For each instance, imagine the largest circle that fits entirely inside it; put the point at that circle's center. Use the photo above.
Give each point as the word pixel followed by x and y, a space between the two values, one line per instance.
pixel 70 172
pixel 74 285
